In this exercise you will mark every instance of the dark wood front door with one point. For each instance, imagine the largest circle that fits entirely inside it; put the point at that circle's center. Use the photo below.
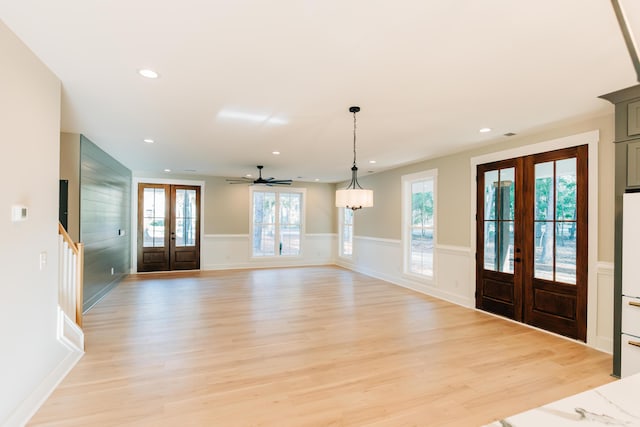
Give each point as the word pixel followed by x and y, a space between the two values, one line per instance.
pixel 499 232
pixel 168 227
pixel 532 240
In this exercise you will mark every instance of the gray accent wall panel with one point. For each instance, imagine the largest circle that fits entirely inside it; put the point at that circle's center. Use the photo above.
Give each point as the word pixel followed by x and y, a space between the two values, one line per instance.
pixel 105 221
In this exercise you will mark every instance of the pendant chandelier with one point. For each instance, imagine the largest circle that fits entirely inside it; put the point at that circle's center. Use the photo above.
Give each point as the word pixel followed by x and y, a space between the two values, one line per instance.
pixel 354 196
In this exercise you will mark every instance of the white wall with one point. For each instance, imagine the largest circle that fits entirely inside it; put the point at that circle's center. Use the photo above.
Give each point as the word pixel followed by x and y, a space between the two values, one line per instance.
pixel 30 138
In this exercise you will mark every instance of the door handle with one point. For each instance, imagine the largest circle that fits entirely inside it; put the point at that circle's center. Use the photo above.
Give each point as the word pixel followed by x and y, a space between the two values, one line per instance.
pixel 634 343
pixel 517 259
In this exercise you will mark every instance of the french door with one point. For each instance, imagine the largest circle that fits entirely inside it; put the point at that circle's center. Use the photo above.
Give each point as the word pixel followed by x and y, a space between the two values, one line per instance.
pixel 168 227
pixel 532 240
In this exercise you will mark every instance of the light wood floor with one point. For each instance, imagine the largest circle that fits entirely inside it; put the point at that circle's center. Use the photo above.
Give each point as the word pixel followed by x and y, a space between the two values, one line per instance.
pixel 306 347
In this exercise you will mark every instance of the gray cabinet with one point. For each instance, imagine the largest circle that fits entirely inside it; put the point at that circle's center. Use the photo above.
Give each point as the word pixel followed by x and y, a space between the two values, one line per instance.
pixel 633 163
pixel 633 119
pixel 627 178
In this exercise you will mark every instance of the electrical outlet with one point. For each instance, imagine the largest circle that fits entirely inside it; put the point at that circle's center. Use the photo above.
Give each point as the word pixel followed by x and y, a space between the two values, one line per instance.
pixel 43 260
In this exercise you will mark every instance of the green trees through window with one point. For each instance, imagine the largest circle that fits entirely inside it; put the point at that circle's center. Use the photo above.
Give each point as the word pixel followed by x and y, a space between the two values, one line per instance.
pixel 420 213
pixel 277 223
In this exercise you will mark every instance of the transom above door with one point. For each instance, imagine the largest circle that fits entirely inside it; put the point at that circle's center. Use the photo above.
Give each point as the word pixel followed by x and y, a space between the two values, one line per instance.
pixel 532 240
pixel 168 227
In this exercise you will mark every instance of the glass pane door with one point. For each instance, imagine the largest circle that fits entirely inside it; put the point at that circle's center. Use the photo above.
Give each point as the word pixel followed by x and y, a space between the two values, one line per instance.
pixel 168 227
pixel 499 222
pixel 498 238
pixel 185 217
pixel 555 223
pixel 153 214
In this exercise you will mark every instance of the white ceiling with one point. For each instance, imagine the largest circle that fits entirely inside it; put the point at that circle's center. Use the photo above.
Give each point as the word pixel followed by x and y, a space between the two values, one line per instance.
pixel 428 74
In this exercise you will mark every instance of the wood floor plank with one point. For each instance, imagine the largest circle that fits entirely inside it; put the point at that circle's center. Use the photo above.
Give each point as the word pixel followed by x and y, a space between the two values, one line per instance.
pixel 316 346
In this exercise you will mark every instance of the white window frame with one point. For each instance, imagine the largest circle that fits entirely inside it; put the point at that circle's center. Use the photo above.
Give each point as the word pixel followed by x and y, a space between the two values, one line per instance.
pixel 277 190
pixel 341 233
pixel 407 181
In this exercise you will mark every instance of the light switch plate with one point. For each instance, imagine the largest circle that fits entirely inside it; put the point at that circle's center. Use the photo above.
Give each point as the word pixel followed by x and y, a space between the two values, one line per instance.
pixel 19 213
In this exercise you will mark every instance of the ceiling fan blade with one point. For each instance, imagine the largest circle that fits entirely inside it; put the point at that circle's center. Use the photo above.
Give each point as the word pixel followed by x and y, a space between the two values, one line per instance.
pixel 239 180
pixel 260 180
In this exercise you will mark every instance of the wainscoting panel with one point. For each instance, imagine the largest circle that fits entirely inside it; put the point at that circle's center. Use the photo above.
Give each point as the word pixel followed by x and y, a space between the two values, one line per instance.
pixel 231 251
pixel 382 258
pixel 604 325
pixel 379 258
pixel 455 280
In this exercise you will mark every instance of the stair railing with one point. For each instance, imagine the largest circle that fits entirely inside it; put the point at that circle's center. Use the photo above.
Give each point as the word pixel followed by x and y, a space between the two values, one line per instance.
pixel 71 276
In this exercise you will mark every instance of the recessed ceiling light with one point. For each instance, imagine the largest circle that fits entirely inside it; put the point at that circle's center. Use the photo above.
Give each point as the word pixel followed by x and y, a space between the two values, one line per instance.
pixel 248 175
pixel 167 170
pixel 317 179
pixel 485 130
pixel 150 74
pixel 149 141
pixel 373 162
pixel 276 153
pixel 251 117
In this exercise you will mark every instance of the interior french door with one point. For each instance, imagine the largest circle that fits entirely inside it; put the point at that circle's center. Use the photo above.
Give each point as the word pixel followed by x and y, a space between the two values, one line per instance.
pixel 168 227
pixel 532 240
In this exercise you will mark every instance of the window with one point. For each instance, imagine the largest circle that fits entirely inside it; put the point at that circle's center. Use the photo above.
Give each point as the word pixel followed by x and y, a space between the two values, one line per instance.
pixel 346 232
pixel 276 222
pixel 419 219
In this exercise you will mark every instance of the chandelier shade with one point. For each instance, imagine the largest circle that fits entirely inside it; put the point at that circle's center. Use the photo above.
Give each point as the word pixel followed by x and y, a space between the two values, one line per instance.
pixel 354 196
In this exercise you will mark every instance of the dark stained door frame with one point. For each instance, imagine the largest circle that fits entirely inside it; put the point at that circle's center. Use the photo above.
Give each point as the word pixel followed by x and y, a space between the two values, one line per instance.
pixel 164 254
pixel 516 293
pixel 184 256
pixel 552 304
pixel 496 291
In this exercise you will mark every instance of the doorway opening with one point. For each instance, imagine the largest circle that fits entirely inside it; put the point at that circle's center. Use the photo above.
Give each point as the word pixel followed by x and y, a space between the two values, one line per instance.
pixel 532 240
pixel 168 227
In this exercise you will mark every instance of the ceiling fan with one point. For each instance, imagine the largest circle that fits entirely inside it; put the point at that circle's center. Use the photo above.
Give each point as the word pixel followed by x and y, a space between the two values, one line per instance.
pixel 260 181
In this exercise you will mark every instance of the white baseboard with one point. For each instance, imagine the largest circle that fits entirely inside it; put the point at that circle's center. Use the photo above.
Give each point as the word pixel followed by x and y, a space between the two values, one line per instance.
pixel 604 344
pixel 23 413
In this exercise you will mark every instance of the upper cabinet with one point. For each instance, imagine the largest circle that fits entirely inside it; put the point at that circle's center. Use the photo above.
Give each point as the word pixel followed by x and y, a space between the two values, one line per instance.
pixel 633 119
pixel 633 164
pixel 627 116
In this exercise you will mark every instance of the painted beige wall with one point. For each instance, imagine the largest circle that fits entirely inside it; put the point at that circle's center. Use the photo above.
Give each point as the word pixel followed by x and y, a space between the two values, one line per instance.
pixel 226 206
pixel 70 170
pixel 30 133
pixel 454 192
